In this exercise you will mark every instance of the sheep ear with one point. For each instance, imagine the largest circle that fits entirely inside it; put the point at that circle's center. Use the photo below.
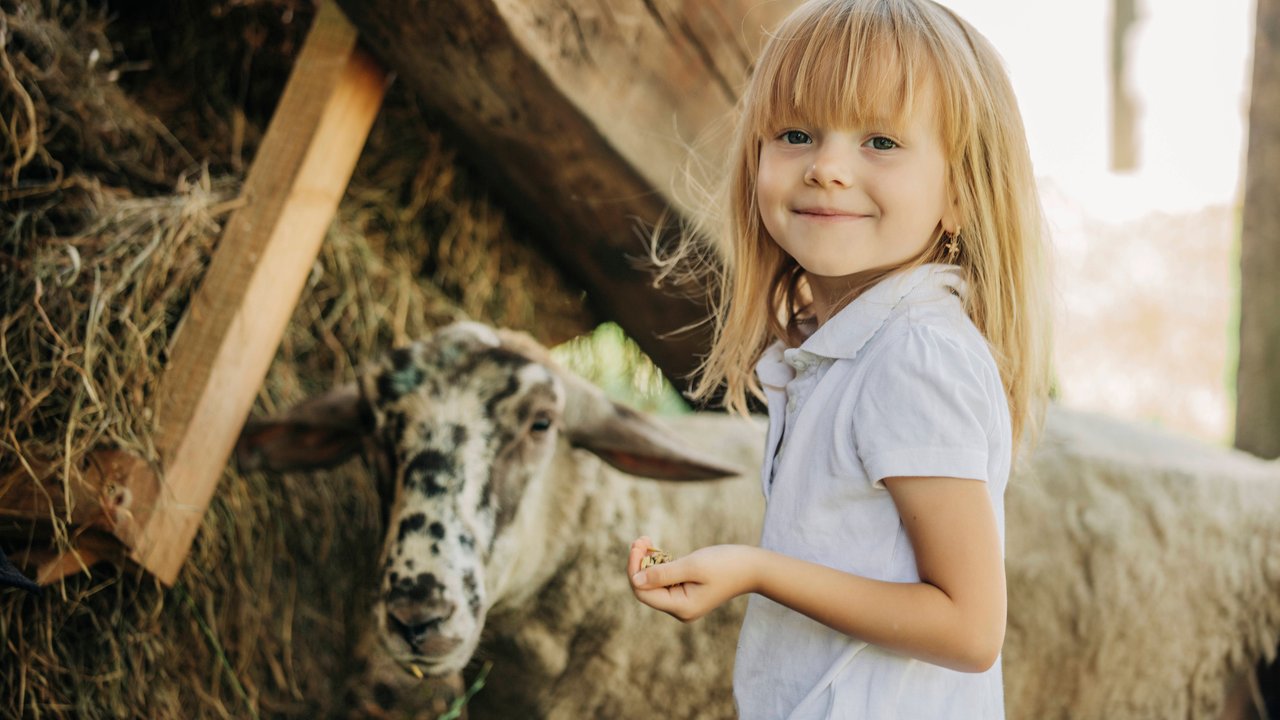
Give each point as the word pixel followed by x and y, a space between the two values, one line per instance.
pixel 632 442
pixel 317 433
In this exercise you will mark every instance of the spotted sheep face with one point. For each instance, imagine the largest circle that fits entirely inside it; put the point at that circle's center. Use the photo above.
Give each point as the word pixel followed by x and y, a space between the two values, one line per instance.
pixel 465 423
pixel 462 424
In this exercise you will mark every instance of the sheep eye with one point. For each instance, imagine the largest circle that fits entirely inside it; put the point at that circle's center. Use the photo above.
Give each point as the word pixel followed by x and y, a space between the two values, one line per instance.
pixel 541 424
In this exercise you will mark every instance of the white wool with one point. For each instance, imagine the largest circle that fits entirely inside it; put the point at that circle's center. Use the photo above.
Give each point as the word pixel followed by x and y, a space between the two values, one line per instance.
pixel 1143 572
pixel 1143 575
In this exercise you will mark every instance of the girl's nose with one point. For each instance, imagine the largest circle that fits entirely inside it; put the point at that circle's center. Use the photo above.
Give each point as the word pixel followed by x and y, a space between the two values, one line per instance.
pixel 832 167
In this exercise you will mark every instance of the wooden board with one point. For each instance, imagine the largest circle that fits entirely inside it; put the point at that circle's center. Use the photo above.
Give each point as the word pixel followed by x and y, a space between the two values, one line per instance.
pixel 580 114
pixel 237 317
pixel 102 504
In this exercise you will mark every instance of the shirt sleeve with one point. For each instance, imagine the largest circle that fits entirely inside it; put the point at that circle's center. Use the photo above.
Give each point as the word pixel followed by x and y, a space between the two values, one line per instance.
pixel 925 410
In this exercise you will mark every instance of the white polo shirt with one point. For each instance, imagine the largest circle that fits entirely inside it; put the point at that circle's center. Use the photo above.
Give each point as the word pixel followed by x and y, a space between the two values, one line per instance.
pixel 898 383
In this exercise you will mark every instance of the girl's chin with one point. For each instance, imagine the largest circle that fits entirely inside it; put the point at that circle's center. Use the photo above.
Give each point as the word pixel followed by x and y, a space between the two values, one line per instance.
pixel 847 267
pixel 834 269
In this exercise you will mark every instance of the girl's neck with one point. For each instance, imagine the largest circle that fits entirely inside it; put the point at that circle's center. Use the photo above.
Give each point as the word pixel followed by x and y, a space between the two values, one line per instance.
pixel 827 296
pixel 831 294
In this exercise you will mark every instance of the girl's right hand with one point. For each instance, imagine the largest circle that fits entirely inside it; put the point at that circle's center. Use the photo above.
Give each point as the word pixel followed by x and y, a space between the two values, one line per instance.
pixel 692 586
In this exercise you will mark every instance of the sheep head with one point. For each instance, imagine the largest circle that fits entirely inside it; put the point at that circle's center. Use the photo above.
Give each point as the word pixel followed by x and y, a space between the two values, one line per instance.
pixel 464 426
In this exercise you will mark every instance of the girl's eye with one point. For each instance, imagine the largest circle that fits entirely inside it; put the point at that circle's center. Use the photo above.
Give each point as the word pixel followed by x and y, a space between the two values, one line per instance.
pixel 796 137
pixel 881 142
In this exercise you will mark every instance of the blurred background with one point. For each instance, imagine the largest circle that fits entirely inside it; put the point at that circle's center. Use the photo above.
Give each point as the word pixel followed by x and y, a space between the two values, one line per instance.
pixel 1136 116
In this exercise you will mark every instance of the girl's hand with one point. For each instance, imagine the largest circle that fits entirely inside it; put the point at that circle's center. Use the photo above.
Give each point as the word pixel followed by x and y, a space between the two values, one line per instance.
pixel 692 586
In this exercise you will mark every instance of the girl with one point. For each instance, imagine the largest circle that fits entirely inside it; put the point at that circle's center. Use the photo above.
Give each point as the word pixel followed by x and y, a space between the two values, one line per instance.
pixel 885 281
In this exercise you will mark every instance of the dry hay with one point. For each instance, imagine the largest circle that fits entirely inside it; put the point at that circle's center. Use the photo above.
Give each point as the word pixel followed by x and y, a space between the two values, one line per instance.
pixel 106 224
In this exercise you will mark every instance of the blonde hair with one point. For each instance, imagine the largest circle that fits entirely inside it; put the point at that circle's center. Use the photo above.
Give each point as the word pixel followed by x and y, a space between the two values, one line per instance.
pixel 832 62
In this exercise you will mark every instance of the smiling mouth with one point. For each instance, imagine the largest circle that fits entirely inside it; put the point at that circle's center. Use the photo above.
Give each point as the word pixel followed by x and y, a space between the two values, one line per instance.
pixel 825 214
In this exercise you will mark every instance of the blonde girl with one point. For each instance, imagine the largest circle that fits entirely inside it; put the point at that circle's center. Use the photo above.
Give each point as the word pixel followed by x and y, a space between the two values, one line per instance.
pixel 884 282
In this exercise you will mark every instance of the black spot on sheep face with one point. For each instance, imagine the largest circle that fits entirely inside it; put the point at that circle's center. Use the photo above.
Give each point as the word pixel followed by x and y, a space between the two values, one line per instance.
pixel 464 426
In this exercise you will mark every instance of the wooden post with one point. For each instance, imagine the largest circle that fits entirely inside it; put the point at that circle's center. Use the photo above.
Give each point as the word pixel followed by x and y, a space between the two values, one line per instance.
pixel 1124 111
pixel 238 315
pixel 1257 382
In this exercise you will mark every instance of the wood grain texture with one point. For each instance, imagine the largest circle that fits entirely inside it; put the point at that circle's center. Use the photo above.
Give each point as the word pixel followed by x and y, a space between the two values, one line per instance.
pixel 580 114
pixel 237 317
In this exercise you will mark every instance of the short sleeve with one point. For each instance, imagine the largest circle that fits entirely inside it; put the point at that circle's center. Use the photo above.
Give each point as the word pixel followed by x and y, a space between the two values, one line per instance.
pixel 925 409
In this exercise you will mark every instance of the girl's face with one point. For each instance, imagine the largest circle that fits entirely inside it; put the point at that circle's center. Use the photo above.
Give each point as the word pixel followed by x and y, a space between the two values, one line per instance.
pixel 845 200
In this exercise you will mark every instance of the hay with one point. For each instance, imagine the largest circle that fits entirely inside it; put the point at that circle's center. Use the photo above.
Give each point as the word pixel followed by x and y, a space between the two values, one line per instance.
pixel 64 113
pixel 87 318
pixel 106 226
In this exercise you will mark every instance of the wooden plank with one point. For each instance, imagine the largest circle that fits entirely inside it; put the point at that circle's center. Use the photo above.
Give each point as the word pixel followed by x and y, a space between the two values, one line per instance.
pixel 111 491
pixel 237 317
pixel 88 548
pixel 105 502
pixel 580 114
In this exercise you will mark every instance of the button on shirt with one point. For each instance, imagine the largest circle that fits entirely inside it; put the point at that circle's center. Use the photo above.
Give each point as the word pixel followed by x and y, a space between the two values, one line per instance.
pixel 898 383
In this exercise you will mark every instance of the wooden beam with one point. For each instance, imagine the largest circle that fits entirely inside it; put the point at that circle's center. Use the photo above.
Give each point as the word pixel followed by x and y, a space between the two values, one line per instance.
pixel 54 562
pixel 103 504
pixel 580 114
pixel 111 490
pixel 237 317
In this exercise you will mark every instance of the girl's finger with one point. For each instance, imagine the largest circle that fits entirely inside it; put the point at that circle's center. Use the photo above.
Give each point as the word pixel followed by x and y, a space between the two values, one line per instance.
pixel 670 600
pixel 658 576
pixel 638 548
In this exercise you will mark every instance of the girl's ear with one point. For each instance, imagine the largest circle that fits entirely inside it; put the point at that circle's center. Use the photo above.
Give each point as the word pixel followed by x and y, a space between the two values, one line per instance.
pixel 950 225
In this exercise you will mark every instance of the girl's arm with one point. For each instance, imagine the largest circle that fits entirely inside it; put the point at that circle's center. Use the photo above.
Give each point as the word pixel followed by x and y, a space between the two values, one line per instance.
pixel 953 617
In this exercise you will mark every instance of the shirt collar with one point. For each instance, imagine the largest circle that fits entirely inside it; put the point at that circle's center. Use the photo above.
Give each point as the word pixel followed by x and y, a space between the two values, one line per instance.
pixel 847 332
pixel 772 368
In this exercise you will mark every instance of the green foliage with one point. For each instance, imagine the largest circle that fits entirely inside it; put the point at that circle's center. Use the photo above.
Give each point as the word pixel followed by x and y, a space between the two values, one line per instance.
pixel 613 361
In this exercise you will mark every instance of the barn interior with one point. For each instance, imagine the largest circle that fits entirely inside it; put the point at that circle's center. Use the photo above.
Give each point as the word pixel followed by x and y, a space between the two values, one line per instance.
pixel 131 130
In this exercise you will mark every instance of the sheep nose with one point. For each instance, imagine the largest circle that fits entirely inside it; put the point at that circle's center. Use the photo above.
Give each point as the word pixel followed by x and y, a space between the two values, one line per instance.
pixel 416 609
pixel 419 625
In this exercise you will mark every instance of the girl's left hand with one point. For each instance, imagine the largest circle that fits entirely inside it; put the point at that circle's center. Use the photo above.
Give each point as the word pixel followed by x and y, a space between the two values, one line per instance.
pixel 692 586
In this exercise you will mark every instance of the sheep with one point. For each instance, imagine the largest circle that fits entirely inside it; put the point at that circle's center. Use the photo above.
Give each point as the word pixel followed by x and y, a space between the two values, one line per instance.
pixel 507 518
pixel 1142 568
pixel 1143 572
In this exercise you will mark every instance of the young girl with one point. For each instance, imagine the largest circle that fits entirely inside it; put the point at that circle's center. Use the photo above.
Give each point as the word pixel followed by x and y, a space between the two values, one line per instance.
pixel 885 282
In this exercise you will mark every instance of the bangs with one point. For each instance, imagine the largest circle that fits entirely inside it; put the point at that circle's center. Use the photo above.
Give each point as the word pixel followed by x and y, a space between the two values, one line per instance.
pixel 843 64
